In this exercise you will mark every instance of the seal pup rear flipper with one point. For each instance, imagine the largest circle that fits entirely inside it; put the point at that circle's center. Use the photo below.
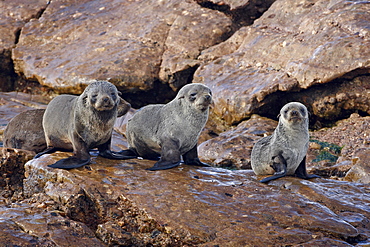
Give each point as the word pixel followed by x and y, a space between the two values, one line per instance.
pixel 170 155
pixel 69 163
pixel 279 165
pixel 301 171
pixel 191 158
pixel 105 152
pixel 49 151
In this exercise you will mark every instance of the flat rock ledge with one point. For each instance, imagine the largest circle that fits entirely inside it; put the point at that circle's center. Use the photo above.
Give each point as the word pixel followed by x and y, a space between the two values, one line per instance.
pixel 110 203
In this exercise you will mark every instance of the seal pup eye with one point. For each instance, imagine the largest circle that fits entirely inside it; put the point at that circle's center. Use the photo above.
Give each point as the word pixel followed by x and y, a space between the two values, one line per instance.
pixel 113 96
pixel 192 96
pixel 94 98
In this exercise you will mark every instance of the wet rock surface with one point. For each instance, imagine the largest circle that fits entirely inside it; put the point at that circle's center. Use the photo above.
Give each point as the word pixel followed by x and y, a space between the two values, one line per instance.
pixel 176 207
pixel 291 47
pixel 255 56
pixel 107 44
pixel 111 203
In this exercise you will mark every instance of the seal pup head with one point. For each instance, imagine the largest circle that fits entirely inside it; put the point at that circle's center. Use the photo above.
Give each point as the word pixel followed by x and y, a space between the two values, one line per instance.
pixel 197 95
pixel 101 95
pixel 293 114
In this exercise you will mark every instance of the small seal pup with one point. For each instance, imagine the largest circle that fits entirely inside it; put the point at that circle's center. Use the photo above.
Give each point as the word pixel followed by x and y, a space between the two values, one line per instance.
pixel 25 131
pixel 170 130
pixel 80 123
pixel 284 152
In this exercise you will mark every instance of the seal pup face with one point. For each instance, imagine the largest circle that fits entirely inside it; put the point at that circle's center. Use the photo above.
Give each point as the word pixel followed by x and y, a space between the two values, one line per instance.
pixel 102 95
pixel 294 113
pixel 198 95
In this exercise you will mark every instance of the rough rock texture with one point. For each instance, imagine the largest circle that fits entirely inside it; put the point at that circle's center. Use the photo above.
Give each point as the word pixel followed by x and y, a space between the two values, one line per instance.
pixel 126 204
pixel 233 148
pixel 12 168
pixel 13 16
pixel 120 203
pixel 360 171
pixel 99 42
pixel 293 46
pixel 34 222
pixel 312 51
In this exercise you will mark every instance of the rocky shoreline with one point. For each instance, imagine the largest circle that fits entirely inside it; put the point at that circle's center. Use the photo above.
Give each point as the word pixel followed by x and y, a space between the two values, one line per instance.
pixel 255 56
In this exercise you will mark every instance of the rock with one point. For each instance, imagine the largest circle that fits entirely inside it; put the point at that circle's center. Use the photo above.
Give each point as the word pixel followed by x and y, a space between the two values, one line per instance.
pixel 25 131
pixel 12 169
pixel 127 204
pixel 27 225
pixel 191 32
pixel 330 154
pixel 232 148
pixel 291 47
pixel 13 16
pixel 352 136
pixel 120 42
pixel 360 171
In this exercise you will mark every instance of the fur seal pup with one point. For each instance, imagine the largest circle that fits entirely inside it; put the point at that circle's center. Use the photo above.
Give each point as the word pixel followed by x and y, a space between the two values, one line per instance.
pixel 284 152
pixel 80 123
pixel 24 131
pixel 170 130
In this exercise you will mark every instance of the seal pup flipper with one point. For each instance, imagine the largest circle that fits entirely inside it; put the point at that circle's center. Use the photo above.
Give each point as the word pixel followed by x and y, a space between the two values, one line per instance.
pixel 105 152
pixel 170 155
pixel 46 151
pixel 49 151
pixel 191 158
pixel 279 165
pixel 301 171
pixel 69 163
pixel 80 157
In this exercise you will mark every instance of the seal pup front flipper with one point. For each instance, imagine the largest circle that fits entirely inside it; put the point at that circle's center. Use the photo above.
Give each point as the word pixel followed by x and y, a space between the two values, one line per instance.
pixel 279 165
pixel 301 171
pixel 69 163
pixel 80 156
pixel 170 155
pixel 49 151
pixel 105 152
pixel 191 158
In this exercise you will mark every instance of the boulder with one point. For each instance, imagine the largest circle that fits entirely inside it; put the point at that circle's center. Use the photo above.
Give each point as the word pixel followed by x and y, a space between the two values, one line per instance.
pixel 128 43
pixel 232 148
pixel 128 205
pixel 294 46
pixel 13 16
pixel 360 171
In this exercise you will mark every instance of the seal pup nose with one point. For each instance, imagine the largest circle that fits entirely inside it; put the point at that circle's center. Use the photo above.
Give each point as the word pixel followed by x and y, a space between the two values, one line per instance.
pixel 294 113
pixel 208 97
